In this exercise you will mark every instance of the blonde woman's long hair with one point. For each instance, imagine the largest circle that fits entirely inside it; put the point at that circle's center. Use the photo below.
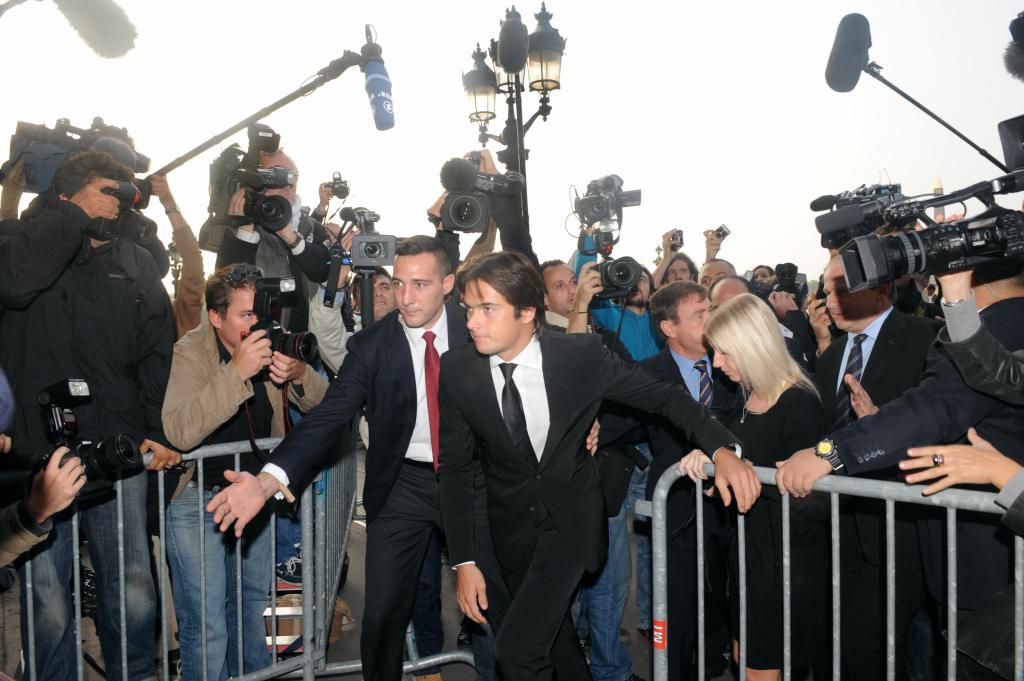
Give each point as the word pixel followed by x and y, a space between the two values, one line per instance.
pixel 746 329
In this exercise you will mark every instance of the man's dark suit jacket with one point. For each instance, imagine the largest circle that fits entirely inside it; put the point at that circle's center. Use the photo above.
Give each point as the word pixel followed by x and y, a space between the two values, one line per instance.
pixel 377 372
pixel 896 365
pixel 940 410
pixel 578 373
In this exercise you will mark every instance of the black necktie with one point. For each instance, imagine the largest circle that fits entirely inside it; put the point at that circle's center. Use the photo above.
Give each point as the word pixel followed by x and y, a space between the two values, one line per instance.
pixel 854 367
pixel 512 410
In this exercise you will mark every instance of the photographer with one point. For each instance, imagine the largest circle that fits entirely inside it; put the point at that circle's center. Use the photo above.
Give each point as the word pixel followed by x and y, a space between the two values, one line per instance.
pixel 215 394
pixel 675 265
pixel 296 250
pixel 715 269
pixel 82 303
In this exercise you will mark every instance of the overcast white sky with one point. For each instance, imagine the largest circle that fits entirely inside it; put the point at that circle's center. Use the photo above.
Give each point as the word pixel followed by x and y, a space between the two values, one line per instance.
pixel 719 112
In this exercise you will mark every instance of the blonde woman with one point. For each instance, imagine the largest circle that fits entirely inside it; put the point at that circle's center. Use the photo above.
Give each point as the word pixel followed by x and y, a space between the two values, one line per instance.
pixel 781 411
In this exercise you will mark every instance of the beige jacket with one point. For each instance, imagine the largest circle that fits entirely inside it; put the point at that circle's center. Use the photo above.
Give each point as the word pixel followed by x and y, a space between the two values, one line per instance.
pixel 204 392
pixel 15 538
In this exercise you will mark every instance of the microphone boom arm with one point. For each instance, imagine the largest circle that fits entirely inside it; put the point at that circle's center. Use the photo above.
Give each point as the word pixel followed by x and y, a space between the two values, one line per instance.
pixel 324 76
pixel 875 71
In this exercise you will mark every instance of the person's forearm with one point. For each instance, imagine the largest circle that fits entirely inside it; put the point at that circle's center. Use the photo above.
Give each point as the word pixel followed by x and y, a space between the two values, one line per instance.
pixel 659 271
pixel 962 319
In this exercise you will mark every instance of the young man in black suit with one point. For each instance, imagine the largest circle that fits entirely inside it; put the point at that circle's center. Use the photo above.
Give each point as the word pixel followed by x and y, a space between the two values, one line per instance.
pixel 391 368
pixel 524 400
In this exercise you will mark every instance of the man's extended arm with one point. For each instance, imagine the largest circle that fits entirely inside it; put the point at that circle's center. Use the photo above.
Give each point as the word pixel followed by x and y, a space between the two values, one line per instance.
pixel 34 252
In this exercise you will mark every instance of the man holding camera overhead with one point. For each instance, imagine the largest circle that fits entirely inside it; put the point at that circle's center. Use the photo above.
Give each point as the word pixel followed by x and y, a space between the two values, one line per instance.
pixel 80 303
pixel 227 384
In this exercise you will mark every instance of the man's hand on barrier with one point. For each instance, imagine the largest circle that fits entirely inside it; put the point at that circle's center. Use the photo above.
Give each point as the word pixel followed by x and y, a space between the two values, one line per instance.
pixel 94 202
pixel 734 477
pixel 163 457
pixel 592 437
pixel 860 401
pixel 471 592
pixel 241 500
pixel 976 464
pixel 797 474
pixel 692 466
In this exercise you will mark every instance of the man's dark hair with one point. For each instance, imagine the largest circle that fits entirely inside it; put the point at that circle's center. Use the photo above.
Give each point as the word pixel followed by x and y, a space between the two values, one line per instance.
pixel 714 285
pixel 666 299
pixel 81 168
pixel 510 274
pixel 650 277
pixel 223 282
pixel 548 264
pixel 415 245
pixel 694 270
pixel 771 270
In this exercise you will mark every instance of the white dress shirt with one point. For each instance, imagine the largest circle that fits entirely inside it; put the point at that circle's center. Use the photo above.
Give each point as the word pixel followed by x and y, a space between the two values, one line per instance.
pixel 419 444
pixel 529 379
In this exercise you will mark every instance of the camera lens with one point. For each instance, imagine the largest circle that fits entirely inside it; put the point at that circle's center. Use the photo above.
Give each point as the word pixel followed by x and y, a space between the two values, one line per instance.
pixel 373 249
pixel 467 211
pixel 270 212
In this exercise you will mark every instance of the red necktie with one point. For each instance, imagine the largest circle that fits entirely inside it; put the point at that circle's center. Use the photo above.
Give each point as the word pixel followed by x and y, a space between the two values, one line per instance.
pixel 432 370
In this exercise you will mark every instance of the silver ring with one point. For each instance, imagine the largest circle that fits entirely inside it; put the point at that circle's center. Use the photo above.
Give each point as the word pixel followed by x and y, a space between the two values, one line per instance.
pixel 938 459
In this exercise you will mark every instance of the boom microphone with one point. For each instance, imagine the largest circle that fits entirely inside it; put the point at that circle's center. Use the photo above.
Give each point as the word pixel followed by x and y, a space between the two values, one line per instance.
pixel 378 84
pixel 513 43
pixel 102 24
pixel 1013 58
pixel 458 175
pixel 849 53
pixel 823 203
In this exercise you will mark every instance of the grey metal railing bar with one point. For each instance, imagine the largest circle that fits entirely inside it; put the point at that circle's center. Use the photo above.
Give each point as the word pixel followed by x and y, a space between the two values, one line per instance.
pixel 836 582
pixel 162 575
pixel 239 615
pixel 701 635
pixel 787 593
pixel 121 582
pixel 76 565
pixel 741 536
pixel 890 590
pixel 202 564
pixel 951 578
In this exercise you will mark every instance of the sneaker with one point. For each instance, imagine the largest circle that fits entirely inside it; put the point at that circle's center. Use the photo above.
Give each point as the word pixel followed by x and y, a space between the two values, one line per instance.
pixel 290 571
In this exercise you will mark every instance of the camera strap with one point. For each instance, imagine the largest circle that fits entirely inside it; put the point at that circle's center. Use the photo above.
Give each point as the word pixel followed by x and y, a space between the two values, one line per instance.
pixel 261 454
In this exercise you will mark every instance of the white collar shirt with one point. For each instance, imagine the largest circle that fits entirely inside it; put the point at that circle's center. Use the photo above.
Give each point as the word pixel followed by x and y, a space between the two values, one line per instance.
pixel 529 379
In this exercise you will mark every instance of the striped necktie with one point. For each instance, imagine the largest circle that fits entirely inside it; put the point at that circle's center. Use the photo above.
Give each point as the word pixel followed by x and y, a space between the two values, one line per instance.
pixel 854 367
pixel 705 391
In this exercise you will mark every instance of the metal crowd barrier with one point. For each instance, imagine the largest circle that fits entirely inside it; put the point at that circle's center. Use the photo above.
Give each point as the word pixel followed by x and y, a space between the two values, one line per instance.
pixel 952 500
pixel 326 508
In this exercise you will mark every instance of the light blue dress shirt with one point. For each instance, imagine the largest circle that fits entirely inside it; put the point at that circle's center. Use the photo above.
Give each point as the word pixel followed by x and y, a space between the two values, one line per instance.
pixel 865 348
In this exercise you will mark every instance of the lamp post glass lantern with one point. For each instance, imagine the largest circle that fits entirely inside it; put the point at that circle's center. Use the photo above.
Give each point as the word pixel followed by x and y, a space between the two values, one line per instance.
pixel 545 57
pixel 480 88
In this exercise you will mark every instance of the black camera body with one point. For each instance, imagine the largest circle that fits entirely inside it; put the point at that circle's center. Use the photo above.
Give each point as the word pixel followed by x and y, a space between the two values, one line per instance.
pixel 272 293
pixel 789 280
pixel 471 198
pixel 129 223
pixel 619 277
pixel 103 461
pixel 339 187
pixel 466 212
pixel 605 200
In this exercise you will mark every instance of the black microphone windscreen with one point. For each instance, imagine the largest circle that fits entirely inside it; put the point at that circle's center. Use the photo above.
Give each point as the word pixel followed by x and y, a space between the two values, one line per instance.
pixel 458 175
pixel 823 203
pixel 513 44
pixel 347 214
pixel 849 53
pixel 1013 59
pixel 102 24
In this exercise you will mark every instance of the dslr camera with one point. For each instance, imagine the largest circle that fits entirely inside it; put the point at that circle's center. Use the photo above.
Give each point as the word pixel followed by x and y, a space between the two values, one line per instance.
pixel 236 169
pixel 338 186
pixel 791 281
pixel 995 235
pixel 130 223
pixel 105 460
pixel 605 200
pixel 473 195
pixel 272 293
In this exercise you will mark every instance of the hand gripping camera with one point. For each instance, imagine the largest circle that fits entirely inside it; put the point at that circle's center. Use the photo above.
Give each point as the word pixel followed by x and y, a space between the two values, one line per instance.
pixel 271 294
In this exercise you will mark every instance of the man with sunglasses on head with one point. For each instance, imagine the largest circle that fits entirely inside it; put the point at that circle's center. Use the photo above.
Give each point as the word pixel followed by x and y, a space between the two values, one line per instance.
pixel 226 385
pixel 296 250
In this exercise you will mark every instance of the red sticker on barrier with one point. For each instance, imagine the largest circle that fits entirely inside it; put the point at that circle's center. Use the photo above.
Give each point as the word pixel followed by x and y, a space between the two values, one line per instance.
pixel 659 635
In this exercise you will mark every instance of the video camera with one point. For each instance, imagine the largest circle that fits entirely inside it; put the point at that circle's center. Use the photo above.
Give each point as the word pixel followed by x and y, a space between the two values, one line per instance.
pixel 995 235
pixel 104 460
pixel 42 150
pixel 271 294
pixel 602 207
pixel 236 169
pixel 858 212
pixel 471 193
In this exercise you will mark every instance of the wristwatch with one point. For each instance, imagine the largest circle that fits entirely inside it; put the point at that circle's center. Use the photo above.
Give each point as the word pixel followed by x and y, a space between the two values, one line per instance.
pixel 827 450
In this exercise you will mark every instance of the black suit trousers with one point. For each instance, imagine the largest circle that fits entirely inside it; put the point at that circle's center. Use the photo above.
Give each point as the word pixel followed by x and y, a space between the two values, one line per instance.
pixel 396 543
pixel 536 638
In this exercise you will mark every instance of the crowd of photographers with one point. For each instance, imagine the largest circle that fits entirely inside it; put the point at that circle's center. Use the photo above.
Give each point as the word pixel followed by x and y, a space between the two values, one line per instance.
pixel 109 375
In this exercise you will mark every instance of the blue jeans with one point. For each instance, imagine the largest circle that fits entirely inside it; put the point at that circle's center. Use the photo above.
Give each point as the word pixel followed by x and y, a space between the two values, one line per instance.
pixel 289 536
pixel 642 529
pixel 221 609
pixel 603 603
pixel 52 572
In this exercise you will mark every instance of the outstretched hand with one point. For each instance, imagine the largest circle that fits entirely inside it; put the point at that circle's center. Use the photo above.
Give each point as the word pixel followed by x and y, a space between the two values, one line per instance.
pixel 242 500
